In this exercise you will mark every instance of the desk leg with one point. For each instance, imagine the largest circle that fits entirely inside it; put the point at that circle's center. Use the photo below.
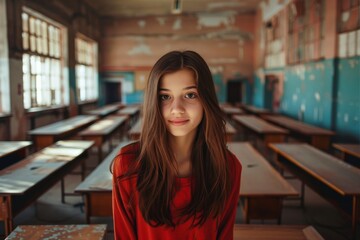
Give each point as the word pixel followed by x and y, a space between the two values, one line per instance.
pixel 100 152
pixel 62 190
pixel 355 213
pixel 6 213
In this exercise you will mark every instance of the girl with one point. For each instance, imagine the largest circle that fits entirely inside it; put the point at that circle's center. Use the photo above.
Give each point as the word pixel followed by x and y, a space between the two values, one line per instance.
pixel 179 181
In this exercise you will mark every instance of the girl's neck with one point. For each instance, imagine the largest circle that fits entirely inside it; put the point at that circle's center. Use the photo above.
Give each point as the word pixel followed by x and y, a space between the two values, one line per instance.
pixel 182 149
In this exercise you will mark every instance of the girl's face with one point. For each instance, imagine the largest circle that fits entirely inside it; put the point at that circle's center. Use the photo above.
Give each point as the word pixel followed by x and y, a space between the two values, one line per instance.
pixel 180 104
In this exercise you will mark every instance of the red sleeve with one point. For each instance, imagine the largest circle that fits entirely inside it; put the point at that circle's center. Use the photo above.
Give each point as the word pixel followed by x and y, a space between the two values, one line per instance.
pixel 122 194
pixel 227 221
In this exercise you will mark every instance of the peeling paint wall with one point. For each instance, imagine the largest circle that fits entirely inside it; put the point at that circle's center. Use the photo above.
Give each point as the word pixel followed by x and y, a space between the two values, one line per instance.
pixel 348 99
pixel 225 40
pixel 308 93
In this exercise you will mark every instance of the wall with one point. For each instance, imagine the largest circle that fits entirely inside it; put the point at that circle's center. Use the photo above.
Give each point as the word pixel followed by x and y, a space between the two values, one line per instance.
pixel 225 41
pixel 325 92
pixel 347 99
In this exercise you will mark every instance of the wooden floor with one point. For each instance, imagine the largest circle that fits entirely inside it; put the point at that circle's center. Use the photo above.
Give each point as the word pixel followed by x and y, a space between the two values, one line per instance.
pixel 319 213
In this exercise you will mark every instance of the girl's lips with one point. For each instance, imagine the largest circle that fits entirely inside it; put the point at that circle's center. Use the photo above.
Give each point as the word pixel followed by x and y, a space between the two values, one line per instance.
pixel 178 122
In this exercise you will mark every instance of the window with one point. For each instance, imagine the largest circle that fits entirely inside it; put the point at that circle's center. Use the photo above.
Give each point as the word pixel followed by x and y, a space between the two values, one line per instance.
pixel 86 69
pixel 44 83
pixel 275 52
pixel 4 63
pixel 349 28
pixel 306 31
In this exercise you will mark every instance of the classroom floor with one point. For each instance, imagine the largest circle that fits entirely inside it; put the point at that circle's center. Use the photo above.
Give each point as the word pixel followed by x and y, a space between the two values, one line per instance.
pixel 328 220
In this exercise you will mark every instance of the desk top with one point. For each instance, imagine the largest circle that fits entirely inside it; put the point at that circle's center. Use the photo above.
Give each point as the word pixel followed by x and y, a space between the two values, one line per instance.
pixel 297 126
pixel 232 110
pixel 104 126
pixel 352 149
pixel 259 125
pixel 256 110
pixel 275 232
pixel 25 174
pixel 104 111
pixel 259 178
pixel 63 126
pixel 100 180
pixel 38 232
pixel 8 147
pixel 335 173
pixel 129 110
pixel 230 129
pixel 136 129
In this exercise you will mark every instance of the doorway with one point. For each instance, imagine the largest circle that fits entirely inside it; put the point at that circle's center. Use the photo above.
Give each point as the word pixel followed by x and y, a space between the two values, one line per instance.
pixel 272 93
pixel 234 91
pixel 112 92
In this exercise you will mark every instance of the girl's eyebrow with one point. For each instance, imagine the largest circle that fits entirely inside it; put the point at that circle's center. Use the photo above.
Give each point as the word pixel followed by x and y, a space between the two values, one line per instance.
pixel 186 88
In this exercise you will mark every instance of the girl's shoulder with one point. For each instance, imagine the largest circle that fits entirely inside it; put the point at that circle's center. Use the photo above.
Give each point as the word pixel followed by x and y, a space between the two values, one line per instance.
pixel 126 159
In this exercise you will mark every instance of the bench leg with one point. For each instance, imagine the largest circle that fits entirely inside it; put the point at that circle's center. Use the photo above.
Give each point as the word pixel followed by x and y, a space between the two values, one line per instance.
pixel 6 213
pixel 62 190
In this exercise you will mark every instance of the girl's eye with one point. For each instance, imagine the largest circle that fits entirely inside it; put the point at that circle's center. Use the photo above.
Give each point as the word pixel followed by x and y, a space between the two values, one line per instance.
pixel 164 97
pixel 191 95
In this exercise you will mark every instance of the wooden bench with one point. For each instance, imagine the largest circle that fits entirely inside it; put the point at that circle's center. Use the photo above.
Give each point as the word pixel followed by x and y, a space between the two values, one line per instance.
pixel 23 182
pixel 256 110
pixel 335 180
pixel 105 110
pixel 135 130
pixel 263 130
pixel 318 137
pixel 262 187
pixel 12 151
pixel 230 131
pixel 348 151
pixel 49 134
pixel 97 188
pixel 76 232
pixel 275 232
pixel 230 111
pixel 133 113
pixel 102 131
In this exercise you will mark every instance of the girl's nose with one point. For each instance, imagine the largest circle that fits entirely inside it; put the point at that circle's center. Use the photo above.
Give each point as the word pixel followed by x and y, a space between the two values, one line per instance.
pixel 177 106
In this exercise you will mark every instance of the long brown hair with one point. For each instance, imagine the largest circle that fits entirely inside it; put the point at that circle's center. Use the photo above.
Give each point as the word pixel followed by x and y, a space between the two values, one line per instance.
pixel 157 165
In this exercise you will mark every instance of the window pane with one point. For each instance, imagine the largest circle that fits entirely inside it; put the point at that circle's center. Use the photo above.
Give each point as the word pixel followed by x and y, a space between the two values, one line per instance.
pixel 42 68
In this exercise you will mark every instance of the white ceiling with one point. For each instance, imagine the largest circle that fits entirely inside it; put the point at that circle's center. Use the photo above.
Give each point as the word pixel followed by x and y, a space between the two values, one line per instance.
pixel 133 8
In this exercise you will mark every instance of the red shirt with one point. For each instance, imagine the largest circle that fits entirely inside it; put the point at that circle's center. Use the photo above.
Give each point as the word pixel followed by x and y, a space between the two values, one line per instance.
pixel 130 225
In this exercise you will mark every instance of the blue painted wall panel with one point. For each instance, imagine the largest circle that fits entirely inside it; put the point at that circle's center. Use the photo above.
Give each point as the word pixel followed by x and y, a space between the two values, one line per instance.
pixel 347 120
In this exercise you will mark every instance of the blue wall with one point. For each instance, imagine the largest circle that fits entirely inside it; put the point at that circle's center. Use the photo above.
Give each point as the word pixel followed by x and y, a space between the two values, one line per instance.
pixel 324 93
pixel 308 93
pixel 347 118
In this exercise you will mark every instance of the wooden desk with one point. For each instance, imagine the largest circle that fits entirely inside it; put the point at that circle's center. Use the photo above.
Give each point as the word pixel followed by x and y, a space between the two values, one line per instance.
pixel 229 111
pixel 256 110
pixel 104 111
pixel 262 187
pixel 335 180
pixel 135 130
pixel 23 182
pixel 133 113
pixel 59 232
pixel 47 135
pixel 262 129
pixel 97 188
pixel 318 137
pixel 12 151
pixel 275 232
pixel 103 130
pixel 348 150
pixel 230 131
